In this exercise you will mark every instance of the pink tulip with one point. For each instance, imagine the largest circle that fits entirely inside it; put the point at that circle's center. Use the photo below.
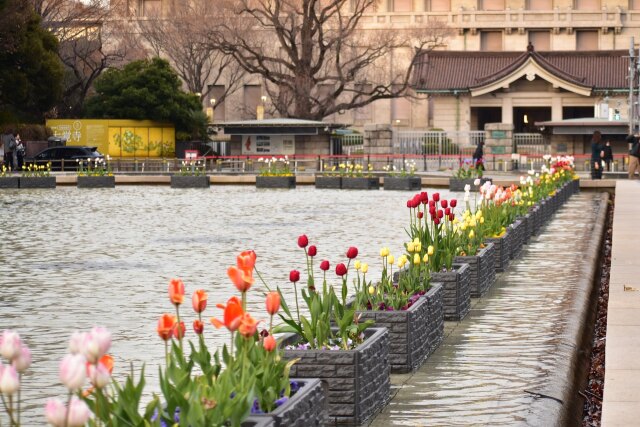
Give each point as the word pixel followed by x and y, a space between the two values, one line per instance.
pixel 98 375
pixel 9 381
pixel 96 344
pixel 76 343
pixel 10 344
pixel 23 361
pixel 73 371
pixel 56 412
pixel 78 413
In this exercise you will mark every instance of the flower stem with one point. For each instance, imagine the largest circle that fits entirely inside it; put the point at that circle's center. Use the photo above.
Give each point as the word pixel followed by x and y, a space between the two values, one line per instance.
pixel 8 409
pixel 295 290
pixel 66 417
pixel 261 279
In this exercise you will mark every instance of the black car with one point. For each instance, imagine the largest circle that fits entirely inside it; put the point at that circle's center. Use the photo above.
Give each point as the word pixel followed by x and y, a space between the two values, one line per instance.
pixel 66 157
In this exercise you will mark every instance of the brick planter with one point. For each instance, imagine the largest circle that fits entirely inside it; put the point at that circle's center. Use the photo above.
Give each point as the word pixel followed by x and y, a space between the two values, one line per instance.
pixel 10 182
pixel 516 233
pixel 503 252
pixel 328 182
pixel 483 272
pixel 308 407
pixel 526 230
pixel 408 183
pixel 275 182
pixel 189 181
pixel 38 182
pixel 435 296
pixel 361 183
pixel 457 291
pixel 96 182
pixel 409 332
pixel 456 184
pixel 357 380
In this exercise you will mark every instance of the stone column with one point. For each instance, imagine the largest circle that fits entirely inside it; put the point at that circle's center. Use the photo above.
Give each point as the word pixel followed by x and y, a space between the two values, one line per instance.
pixel 378 141
pixel 498 141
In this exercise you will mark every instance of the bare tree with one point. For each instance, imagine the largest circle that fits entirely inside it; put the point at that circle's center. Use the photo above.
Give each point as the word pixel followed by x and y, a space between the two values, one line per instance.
pixel 181 38
pixel 314 55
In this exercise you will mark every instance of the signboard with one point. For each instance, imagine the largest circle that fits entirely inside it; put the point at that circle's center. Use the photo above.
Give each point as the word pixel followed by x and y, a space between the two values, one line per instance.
pixel 499 149
pixel 268 144
pixel 190 154
pixel 498 134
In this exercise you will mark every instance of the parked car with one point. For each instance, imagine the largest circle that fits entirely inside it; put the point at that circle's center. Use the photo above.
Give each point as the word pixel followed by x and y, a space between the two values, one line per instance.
pixel 65 158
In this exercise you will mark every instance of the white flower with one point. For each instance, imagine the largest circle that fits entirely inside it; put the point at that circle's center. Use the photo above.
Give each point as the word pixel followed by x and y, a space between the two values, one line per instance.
pixel 476 182
pixel 467 188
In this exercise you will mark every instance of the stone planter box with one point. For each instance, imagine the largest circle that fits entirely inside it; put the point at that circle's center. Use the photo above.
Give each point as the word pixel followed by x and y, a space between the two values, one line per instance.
pixel 516 234
pixel 96 182
pixel 456 184
pixel 357 380
pixel 435 296
pixel 408 183
pixel 536 211
pixel 409 331
pixel 275 182
pixel 361 183
pixel 10 182
pixel 526 230
pixel 328 182
pixel 308 407
pixel 189 181
pixel 457 291
pixel 576 186
pixel 503 252
pixel 483 272
pixel 38 182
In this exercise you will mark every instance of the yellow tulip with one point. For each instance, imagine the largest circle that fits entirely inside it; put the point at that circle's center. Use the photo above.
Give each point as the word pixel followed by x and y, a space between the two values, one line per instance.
pixel 365 267
pixel 416 241
pixel 390 259
pixel 478 214
pixel 425 258
pixel 410 247
pixel 416 259
pixel 430 250
pixel 356 265
pixel 471 234
pixel 372 290
pixel 482 220
pixel 417 247
pixel 384 252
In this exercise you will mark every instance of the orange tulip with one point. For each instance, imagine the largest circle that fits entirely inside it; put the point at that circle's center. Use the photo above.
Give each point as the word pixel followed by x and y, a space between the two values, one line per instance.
pixel 107 362
pixel 199 300
pixel 269 343
pixel 179 330
pixel 273 302
pixel 248 325
pixel 176 291
pixel 232 314
pixel 246 260
pixel 243 279
pixel 165 326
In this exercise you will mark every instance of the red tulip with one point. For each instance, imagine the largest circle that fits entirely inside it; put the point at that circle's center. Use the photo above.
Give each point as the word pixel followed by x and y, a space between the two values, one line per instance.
pixel 420 214
pixel 324 265
pixel 179 330
pixel 440 213
pixel 198 327
pixel 444 204
pixel 312 251
pixel 447 211
pixel 453 203
pixel 352 252
pixel 424 197
pixel 232 314
pixel 452 217
pixel 269 343
pixel 273 302
pixel 432 204
pixel 436 197
pixel 243 279
pixel 165 326
pixel 248 325
pixel 176 291
pixel 294 276
pixel 409 204
pixel 199 300
pixel 436 221
pixel 303 241
pixel 341 269
pixel 432 211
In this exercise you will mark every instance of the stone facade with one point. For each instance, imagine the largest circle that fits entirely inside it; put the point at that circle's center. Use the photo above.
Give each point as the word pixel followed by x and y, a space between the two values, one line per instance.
pixel 457 291
pixel 482 269
pixel 96 182
pixel 10 182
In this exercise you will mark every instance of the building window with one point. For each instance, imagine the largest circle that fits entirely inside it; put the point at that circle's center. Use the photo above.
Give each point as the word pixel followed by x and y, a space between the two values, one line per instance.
pixel 586 40
pixel 490 41
pixel 491 4
pixel 151 8
pixel 541 40
pixel 539 4
pixel 438 6
pixel 251 95
pixel 400 109
pixel 587 5
pixel 217 92
pixel 364 112
pixel 401 5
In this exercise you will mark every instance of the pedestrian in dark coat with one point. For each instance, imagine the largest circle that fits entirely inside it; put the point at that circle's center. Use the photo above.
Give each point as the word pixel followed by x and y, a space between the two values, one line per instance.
pixel 608 155
pixel 596 155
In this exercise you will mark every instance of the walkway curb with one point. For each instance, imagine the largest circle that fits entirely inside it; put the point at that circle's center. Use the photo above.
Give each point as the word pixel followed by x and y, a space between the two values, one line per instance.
pixel 573 359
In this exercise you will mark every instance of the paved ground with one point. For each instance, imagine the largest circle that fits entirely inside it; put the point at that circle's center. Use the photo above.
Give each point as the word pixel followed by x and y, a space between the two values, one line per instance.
pixel 512 342
pixel 621 403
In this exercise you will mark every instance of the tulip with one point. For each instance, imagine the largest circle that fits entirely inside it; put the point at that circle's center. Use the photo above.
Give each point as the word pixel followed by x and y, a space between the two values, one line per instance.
pixel 447 211
pixel 416 259
pixel 312 251
pixel 364 268
pixel 471 234
pixel 10 344
pixel 232 314
pixel 179 330
pixel 436 221
pixel 55 412
pixel 79 413
pixel 99 375
pixel 165 326
pixel 384 252
pixel 248 326
pixel 417 247
pixel 269 343
pixel 176 291
pixel 444 204
pixel 198 327
pixel 241 278
pixel 420 215
pixel 324 265
pixel 352 252
pixel 199 300
pixel 430 250
pixel 73 371
pixel 9 380
pixel 303 241
pixel 372 290
pixel 424 197
pixel 96 344
pixel 390 259
pixel 425 258
pixel 410 247
pixel 294 276
pixel 273 303
pixel 23 361
pixel 76 343
pixel 341 269
pixel 356 265
pixel 440 213
pixel 246 260
pixel 453 203
pixel 436 197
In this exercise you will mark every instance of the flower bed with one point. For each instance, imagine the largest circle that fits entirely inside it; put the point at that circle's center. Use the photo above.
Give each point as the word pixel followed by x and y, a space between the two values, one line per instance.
pixel 456 291
pixel 328 181
pixel 482 267
pixel 408 183
pixel 360 183
pixel 96 181
pixel 38 182
pixel 189 181
pixel 503 251
pixel 357 380
pixel 9 182
pixel 275 182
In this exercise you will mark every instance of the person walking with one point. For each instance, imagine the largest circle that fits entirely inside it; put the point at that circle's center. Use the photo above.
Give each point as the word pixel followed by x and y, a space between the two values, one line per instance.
pixel 596 155
pixel 478 155
pixel 634 155
pixel 9 144
pixel 608 155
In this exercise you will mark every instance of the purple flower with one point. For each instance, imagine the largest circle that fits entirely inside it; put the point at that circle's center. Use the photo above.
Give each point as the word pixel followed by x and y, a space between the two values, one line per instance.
pixel 281 401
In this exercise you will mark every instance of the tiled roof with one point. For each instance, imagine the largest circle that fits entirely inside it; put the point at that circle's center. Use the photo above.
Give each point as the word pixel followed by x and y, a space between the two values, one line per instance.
pixel 460 70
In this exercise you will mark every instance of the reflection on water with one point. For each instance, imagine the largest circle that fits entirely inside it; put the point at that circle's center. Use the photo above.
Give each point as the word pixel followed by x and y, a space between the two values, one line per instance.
pixel 72 259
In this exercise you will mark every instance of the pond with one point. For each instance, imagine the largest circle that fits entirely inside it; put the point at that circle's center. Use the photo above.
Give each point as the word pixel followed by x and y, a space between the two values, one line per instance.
pixel 71 259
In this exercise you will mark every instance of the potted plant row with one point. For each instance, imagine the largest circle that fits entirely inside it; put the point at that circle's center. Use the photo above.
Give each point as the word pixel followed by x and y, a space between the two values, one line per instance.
pixel 348 176
pixel 275 172
pixel 37 176
pixel 192 174
pixel 95 173
pixel 468 174
pixel 403 178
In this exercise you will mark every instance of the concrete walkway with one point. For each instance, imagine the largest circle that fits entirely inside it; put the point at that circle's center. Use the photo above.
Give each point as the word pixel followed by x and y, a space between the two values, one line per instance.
pixel 621 403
